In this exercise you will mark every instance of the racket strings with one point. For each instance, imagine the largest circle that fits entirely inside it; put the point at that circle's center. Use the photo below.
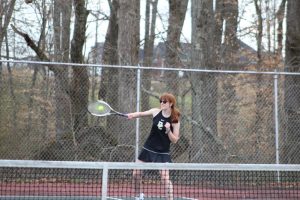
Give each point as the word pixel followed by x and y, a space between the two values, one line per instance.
pixel 99 108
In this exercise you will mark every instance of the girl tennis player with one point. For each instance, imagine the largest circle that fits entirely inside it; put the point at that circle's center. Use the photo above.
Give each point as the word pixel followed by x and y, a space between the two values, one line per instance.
pixel 165 129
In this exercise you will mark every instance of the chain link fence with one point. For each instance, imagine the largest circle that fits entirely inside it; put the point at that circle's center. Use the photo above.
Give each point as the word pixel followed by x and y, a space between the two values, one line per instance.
pixel 226 117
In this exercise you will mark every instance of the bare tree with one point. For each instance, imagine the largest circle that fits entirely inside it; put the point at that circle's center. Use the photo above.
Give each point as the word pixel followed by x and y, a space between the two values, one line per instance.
pixel 260 101
pixel 231 11
pixel 128 49
pixel 262 107
pixel 204 131
pixel 80 80
pixel 109 55
pixel 280 17
pixel 177 12
pixel 259 34
pixel 6 10
pixel 61 24
pixel 268 23
pixel 292 84
pixel 227 55
pixel 109 76
pixel 150 24
pixel 11 88
pixel 79 87
pixel 218 33
pixel 41 45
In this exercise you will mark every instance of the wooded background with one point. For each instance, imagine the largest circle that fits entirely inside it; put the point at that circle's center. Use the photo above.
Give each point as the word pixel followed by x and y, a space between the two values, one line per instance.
pixel 215 104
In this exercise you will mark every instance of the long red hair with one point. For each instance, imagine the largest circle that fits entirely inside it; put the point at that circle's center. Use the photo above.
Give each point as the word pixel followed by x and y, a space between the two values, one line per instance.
pixel 175 114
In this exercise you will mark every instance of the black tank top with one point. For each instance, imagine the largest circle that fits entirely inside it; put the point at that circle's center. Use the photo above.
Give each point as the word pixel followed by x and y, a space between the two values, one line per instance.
pixel 158 140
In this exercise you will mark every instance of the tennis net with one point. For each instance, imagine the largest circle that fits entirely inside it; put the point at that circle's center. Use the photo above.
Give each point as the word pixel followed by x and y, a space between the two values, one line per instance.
pixel 20 179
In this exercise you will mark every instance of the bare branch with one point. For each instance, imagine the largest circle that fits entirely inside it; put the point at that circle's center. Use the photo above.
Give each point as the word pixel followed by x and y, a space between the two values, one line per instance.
pixel 31 44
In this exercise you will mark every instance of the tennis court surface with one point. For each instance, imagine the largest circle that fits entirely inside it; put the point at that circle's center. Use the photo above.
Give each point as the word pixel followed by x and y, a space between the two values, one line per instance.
pixel 20 179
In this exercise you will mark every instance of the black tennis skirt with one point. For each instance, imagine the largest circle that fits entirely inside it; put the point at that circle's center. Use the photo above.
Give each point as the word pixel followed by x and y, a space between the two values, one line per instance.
pixel 147 155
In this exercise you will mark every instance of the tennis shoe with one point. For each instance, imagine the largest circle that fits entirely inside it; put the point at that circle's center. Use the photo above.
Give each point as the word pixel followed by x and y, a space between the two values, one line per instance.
pixel 140 197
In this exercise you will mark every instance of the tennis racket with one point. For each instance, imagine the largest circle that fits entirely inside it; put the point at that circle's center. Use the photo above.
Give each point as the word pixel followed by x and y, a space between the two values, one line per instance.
pixel 101 108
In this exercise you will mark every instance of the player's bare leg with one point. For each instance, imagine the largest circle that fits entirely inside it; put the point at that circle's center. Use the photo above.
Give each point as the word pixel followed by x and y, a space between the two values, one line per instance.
pixel 137 183
pixel 165 177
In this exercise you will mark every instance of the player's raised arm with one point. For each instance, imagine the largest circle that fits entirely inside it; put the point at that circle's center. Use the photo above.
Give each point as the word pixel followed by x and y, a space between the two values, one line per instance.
pixel 150 112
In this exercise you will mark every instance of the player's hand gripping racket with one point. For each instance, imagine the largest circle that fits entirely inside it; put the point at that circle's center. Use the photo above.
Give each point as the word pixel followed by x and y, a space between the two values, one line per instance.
pixel 101 108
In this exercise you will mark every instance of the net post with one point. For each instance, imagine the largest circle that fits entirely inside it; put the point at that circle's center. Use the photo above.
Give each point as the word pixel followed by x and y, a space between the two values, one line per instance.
pixel 104 181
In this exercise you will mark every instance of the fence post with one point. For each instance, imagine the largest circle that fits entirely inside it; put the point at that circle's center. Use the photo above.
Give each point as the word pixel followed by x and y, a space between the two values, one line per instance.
pixel 104 182
pixel 276 117
pixel 137 128
pixel 276 122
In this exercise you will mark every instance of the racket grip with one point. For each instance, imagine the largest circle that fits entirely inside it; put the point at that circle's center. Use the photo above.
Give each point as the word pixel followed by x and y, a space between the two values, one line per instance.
pixel 123 115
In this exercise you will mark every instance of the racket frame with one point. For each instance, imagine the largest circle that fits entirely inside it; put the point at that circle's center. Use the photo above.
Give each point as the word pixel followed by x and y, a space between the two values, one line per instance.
pixel 111 112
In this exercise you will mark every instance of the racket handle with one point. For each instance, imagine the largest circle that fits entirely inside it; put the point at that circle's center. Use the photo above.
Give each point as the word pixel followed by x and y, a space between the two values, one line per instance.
pixel 123 115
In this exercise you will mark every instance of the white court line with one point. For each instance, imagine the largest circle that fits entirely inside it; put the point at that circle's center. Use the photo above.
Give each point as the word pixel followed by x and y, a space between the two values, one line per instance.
pixel 114 198
pixel 188 198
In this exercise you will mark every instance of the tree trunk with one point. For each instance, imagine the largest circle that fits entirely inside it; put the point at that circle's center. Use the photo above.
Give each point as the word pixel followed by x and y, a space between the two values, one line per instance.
pixel 80 80
pixel 292 85
pixel 150 24
pixel 227 60
pixel 177 11
pixel 218 33
pixel 41 45
pixel 280 17
pixel 260 126
pixel 204 86
pixel 128 49
pixel 61 24
pixel 259 33
pixel 150 32
pixel 11 89
pixel 109 78
pixel 6 10
pixel 231 11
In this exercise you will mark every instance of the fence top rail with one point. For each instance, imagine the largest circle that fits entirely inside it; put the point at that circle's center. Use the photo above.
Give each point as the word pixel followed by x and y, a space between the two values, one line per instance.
pixel 203 70
pixel 148 166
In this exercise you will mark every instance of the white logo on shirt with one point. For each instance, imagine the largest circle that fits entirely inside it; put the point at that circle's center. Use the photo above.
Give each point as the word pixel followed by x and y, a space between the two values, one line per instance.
pixel 160 125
